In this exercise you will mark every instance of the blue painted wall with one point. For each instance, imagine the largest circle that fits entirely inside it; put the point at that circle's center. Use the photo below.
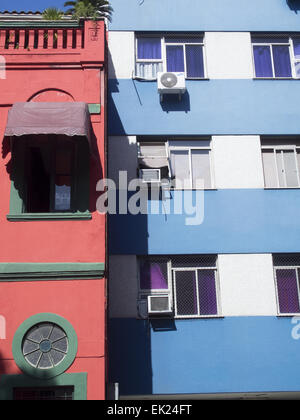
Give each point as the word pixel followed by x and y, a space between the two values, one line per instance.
pixel 212 15
pixel 235 221
pixel 250 354
pixel 210 107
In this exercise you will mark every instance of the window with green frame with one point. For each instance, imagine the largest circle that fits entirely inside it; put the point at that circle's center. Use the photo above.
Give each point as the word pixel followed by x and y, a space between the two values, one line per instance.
pixel 50 178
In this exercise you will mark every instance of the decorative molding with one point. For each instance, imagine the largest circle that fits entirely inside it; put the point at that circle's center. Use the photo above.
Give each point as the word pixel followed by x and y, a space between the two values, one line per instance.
pixel 23 217
pixel 17 272
pixel 95 108
pixel 40 24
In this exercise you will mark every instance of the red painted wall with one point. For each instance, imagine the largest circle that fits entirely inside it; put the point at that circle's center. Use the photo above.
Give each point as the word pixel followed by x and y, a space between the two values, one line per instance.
pixel 58 74
pixel 81 302
pixel 63 75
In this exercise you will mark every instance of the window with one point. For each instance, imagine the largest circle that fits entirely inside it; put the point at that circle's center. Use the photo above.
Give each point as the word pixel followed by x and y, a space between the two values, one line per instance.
pixel 45 346
pixel 188 163
pixel 191 163
pixel 44 394
pixel 190 282
pixel 153 161
pixel 281 164
pixel 276 56
pixel 50 176
pixel 287 275
pixel 170 54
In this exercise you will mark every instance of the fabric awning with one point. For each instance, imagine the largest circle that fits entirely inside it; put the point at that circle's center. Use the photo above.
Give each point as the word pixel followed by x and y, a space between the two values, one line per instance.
pixel 62 118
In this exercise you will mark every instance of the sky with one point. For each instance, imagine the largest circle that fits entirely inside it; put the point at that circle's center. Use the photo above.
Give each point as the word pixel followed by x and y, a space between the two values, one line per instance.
pixel 27 5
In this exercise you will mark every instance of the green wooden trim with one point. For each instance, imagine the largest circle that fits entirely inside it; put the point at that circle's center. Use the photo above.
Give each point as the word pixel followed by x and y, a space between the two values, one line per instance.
pixel 50 271
pixel 39 24
pixel 9 382
pixel 18 340
pixel 17 178
pixel 28 217
pixel 95 108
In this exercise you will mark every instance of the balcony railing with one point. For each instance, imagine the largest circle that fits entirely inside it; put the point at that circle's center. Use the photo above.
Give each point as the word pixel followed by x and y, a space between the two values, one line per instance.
pixel 59 42
pixel 38 40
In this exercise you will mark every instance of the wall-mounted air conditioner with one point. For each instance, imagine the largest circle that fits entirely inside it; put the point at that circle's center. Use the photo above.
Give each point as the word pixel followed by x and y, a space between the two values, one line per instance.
pixel 171 83
pixel 150 176
pixel 160 305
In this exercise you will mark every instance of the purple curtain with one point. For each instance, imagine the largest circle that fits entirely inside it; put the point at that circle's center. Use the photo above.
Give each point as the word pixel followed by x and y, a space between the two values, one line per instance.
pixel 175 59
pixel 194 61
pixel 263 63
pixel 207 292
pixel 149 48
pixel 287 291
pixel 282 61
pixel 154 276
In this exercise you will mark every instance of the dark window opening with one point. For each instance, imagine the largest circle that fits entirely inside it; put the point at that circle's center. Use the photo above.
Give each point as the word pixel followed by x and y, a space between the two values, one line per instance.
pixel 49 177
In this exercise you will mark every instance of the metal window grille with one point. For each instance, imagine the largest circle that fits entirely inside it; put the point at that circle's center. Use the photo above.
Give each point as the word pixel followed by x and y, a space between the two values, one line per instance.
pixel 45 346
pixel 44 394
pixel 287 276
pixel 190 281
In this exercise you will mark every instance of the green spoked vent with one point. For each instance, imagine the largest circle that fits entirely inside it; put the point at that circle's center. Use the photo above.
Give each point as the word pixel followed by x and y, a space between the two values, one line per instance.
pixel 45 346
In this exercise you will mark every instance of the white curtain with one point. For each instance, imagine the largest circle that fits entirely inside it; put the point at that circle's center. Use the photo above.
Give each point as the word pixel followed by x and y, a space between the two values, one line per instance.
pixel 148 70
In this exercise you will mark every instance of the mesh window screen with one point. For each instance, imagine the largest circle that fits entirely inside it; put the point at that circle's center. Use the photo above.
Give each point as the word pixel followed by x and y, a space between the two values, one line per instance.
pixel 194 261
pixel 287 274
pixel 207 292
pixel 186 292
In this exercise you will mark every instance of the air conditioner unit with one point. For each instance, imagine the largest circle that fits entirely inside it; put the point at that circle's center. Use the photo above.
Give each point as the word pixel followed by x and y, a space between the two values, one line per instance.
pixel 150 176
pixel 171 83
pixel 159 305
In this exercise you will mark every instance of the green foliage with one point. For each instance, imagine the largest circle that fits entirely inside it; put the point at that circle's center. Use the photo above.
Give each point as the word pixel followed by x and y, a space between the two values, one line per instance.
pixel 89 9
pixel 52 13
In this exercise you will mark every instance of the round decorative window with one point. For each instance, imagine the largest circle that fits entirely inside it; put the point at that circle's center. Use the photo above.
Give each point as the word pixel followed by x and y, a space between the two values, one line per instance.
pixel 45 346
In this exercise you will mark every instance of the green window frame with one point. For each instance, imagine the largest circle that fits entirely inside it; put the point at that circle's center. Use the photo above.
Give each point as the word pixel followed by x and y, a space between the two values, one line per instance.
pixel 80 183
pixel 17 345
pixel 77 380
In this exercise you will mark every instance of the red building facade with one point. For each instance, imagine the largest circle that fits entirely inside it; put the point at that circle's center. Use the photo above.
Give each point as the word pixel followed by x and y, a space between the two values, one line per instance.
pixel 53 241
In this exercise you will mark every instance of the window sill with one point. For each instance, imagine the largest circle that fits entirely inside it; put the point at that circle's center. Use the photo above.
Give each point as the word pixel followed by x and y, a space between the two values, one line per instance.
pixel 142 79
pixel 281 188
pixel 193 189
pixel 276 78
pixel 27 217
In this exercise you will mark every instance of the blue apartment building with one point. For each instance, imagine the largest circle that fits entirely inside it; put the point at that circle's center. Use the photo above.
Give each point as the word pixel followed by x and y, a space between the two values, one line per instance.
pixel 207 310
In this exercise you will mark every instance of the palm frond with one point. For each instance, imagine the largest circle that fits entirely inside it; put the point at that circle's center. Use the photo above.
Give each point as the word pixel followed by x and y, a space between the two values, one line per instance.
pixel 52 13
